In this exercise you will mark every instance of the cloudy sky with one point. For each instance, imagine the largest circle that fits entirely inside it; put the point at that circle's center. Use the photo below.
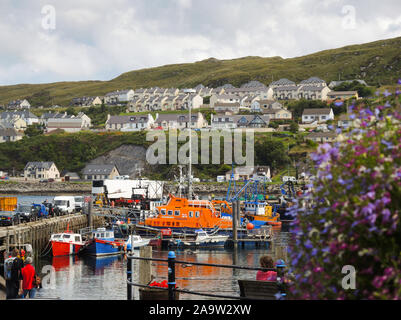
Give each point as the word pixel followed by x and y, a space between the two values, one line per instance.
pixel 57 40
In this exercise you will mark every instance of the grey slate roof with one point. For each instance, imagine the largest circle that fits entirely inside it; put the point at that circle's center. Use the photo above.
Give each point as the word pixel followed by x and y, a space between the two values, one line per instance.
pixel 22 114
pixel 282 82
pixel 312 80
pixel 127 119
pixel 39 165
pixel 316 111
pixel 98 169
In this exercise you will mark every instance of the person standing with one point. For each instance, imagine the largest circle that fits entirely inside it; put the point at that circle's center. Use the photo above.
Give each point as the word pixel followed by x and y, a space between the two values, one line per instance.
pixel 28 275
pixel 13 275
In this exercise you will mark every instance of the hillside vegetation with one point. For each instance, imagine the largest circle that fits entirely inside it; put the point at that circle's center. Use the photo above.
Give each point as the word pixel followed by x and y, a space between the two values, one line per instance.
pixel 378 63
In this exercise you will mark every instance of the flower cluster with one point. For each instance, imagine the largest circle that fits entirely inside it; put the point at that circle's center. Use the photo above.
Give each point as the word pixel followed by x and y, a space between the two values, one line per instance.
pixel 351 213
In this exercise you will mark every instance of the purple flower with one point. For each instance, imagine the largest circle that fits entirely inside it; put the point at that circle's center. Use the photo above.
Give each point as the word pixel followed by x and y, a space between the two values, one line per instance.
pixel 386 93
pixel 399 81
pixel 338 103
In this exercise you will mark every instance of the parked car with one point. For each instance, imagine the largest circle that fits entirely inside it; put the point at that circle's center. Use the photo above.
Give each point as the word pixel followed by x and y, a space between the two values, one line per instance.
pixel 26 213
pixel 66 204
pixel 50 180
pixel 43 180
pixel 8 218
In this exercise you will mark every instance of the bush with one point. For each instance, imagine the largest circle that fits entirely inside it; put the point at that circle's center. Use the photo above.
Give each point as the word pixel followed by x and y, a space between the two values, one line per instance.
pixel 352 215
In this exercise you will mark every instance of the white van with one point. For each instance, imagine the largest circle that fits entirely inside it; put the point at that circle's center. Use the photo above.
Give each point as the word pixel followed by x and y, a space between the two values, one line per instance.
pixel 66 204
pixel 126 177
pixel 79 202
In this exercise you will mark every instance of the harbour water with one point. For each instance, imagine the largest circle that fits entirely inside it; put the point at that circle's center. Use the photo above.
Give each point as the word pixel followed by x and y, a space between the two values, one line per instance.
pixel 90 278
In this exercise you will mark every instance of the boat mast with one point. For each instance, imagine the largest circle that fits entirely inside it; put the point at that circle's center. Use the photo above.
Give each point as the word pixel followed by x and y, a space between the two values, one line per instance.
pixel 190 154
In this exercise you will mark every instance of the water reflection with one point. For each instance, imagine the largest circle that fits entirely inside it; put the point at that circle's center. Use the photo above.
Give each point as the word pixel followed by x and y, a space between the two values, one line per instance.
pixel 91 278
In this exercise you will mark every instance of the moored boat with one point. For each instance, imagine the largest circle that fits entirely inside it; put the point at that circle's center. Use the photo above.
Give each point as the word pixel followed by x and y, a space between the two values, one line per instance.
pixel 135 242
pixel 181 215
pixel 103 243
pixel 201 239
pixel 66 243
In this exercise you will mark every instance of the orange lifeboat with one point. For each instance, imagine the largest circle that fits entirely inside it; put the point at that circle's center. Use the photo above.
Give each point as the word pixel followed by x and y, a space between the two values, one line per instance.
pixel 182 213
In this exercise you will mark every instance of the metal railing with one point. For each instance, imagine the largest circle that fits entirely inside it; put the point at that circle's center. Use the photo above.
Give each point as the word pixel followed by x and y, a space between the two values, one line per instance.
pixel 171 262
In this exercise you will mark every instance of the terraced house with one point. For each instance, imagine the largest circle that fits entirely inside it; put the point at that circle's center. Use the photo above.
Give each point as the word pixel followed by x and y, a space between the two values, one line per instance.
pixel 318 115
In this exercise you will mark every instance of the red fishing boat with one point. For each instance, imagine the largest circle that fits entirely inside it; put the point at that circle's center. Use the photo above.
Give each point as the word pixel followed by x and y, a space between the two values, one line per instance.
pixel 66 243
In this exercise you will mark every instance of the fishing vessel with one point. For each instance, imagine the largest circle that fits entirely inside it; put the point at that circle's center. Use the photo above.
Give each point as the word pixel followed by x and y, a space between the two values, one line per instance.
pixel 184 215
pixel 66 243
pixel 103 243
pixel 201 239
pixel 260 213
pixel 135 242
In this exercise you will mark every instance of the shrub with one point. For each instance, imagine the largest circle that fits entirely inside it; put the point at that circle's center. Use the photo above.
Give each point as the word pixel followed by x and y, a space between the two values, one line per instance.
pixel 351 216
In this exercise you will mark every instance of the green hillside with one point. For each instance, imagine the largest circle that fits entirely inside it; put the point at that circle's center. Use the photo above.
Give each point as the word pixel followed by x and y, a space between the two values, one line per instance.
pixel 378 63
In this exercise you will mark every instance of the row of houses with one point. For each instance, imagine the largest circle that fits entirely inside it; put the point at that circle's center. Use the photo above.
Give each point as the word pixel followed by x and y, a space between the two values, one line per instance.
pixel 20 120
pixel 49 170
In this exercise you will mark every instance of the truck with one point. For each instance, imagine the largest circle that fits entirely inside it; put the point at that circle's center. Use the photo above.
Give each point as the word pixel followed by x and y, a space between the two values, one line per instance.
pixel 66 204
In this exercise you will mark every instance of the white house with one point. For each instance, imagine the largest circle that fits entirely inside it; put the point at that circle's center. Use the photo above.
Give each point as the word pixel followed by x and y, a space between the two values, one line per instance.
pixel 239 121
pixel 9 135
pixel 41 170
pixel 125 95
pixel 261 105
pixel 129 123
pixel 319 114
pixel 180 121
pixel 19 104
pixel 224 98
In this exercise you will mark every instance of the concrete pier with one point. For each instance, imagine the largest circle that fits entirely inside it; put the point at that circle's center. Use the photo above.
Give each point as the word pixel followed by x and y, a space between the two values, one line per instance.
pixel 38 233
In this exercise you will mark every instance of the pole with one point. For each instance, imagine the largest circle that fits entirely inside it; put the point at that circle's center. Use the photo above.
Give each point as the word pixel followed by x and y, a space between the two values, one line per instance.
pixel 280 274
pixel 171 275
pixel 90 222
pixel 235 234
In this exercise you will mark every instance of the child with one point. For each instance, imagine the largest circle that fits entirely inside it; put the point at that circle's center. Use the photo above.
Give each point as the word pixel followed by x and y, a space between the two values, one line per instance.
pixel 266 262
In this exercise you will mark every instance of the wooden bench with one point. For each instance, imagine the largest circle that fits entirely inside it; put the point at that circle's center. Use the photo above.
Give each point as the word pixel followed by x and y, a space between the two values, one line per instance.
pixel 254 289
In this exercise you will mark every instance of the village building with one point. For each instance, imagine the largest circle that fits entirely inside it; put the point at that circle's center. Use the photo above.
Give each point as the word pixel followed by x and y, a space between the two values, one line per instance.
pixel 87 101
pixel 262 105
pixel 334 84
pixel 9 135
pixel 41 170
pixel 223 98
pixel 322 137
pixel 180 121
pixel 25 115
pixel 318 115
pixel 238 121
pixel 69 123
pixel 345 121
pixel 18 104
pixel 129 123
pixel 227 108
pixel 247 172
pixel 341 95
pixel 100 172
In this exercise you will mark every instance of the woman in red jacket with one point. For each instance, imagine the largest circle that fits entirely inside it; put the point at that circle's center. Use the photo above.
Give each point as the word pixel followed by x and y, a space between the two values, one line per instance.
pixel 28 275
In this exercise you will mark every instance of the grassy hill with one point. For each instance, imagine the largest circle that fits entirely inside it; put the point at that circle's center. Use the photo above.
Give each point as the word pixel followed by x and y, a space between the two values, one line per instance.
pixel 379 63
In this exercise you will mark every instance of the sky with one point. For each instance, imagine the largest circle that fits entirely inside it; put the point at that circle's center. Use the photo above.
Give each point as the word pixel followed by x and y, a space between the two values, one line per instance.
pixel 45 41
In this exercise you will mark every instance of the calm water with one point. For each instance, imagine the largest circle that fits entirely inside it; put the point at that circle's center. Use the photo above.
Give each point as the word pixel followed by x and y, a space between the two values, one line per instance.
pixel 89 278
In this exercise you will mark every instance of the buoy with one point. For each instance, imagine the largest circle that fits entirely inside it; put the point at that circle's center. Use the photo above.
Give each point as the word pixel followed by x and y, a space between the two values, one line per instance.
pixel 250 226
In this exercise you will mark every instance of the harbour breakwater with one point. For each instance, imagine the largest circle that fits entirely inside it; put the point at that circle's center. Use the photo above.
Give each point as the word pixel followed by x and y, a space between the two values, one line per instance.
pixel 37 188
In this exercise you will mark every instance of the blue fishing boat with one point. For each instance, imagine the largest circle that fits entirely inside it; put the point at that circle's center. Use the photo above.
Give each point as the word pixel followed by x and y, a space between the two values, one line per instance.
pixel 102 243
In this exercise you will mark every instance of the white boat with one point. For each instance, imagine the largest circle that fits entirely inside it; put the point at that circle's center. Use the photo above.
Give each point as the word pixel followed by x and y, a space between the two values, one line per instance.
pixel 137 242
pixel 202 239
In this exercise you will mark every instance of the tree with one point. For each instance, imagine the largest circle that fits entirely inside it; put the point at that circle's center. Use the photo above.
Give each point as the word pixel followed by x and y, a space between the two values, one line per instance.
pixel 294 127
pixel 271 153
pixel 34 130
pixel 71 111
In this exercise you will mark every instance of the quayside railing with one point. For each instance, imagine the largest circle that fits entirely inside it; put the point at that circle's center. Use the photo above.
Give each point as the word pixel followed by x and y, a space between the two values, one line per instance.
pixel 172 290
